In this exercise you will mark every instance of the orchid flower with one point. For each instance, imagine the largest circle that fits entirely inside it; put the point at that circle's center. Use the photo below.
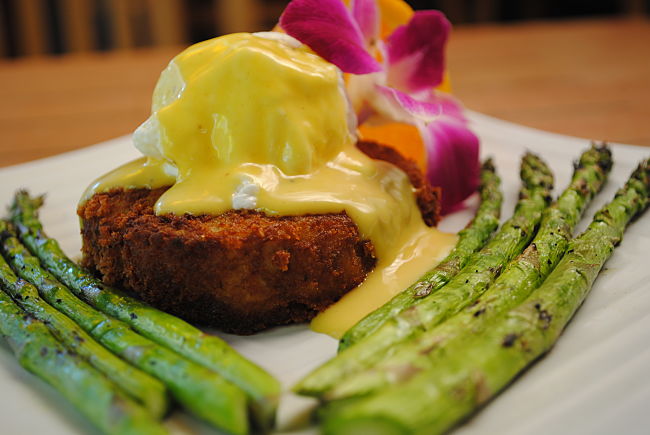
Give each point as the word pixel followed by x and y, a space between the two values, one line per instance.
pixel 393 80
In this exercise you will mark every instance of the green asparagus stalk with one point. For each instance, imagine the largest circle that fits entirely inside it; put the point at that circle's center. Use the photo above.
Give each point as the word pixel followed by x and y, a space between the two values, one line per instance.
pixel 474 371
pixel 98 399
pixel 148 391
pixel 200 390
pixel 210 351
pixel 462 290
pixel 472 238
pixel 523 275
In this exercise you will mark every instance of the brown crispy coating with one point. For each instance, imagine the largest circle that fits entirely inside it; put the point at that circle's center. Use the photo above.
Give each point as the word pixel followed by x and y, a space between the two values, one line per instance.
pixel 242 271
pixel 428 197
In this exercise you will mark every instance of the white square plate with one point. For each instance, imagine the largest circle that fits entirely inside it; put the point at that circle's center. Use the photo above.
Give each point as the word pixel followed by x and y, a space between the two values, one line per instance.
pixel 595 381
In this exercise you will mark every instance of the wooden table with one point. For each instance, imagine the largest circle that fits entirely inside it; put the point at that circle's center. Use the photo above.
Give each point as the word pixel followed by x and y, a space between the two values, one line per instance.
pixel 582 78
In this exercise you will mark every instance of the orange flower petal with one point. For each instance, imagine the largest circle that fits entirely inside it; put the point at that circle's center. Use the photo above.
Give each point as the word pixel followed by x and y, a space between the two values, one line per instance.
pixel 394 13
pixel 403 137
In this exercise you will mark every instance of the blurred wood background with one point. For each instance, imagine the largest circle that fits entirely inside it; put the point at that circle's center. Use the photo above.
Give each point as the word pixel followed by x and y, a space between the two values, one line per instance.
pixel 586 75
pixel 36 27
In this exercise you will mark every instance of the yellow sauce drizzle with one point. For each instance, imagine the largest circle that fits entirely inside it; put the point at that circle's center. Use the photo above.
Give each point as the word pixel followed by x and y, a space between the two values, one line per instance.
pixel 421 252
pixel 247 121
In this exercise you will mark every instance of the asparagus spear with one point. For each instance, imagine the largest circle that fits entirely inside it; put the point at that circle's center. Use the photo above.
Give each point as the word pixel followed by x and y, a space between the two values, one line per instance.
pixel 475 370
pixel 522 275
pixel 470 239
pixel 160 327
pixel 200 390
pixel 464 288
pixel 98 399
pixel 143 388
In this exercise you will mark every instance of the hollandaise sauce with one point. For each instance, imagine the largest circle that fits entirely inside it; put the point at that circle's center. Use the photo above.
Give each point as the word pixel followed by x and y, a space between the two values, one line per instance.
pixel 258 121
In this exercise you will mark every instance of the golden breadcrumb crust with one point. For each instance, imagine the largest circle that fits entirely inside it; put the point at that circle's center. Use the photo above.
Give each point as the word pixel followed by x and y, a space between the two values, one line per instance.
pixel 242 271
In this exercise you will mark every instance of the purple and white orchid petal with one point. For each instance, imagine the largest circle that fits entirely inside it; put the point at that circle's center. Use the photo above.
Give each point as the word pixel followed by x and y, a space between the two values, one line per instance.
pixel 427 106
pixel 328 28
pixel 425 111
pixel 416 58
pixel 451 147
pixel 366 15
pixel 452 160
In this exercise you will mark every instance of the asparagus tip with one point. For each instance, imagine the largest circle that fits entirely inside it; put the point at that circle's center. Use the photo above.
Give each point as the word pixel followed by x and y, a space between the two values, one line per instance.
pixel 488 165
